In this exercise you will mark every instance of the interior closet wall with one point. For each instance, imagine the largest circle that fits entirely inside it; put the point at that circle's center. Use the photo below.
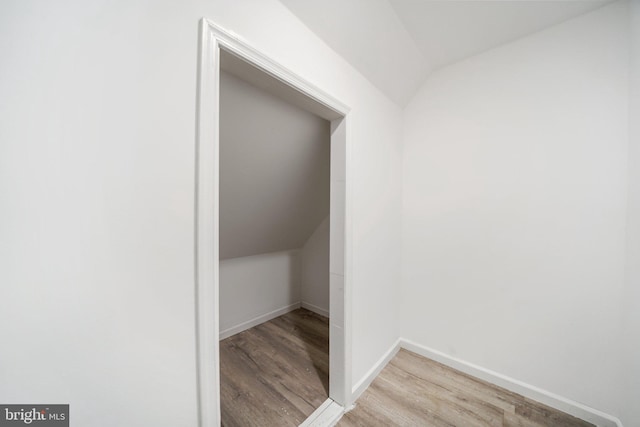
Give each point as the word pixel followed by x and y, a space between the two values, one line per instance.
pixel 274 207
pixel 314 269
pixel 257 288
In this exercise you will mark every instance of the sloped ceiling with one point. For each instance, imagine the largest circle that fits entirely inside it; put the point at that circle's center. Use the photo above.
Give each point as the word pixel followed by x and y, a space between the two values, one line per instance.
pixel 369 35
pixel 274 171
pixel 397 43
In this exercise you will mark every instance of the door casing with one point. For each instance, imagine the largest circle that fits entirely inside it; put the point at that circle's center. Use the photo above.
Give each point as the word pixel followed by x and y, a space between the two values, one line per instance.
pixel 212 40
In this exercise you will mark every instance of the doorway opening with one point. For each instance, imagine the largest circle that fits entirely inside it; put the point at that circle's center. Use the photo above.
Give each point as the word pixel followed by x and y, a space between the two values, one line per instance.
pixel 221 52
pixel 274 255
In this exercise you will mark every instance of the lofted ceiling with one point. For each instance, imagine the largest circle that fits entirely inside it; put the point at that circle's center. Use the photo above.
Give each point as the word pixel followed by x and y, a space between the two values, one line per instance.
pixel 397 43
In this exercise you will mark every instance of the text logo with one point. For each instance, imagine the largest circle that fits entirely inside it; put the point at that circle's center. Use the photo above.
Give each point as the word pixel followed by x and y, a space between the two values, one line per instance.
pixel 34 415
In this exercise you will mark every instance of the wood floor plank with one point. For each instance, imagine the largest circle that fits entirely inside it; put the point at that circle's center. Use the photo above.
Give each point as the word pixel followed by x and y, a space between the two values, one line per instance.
pixel 276 373
pixel 415 391
pixel 514 420
pixel 452 405
pixel 540 413
pixel 455 381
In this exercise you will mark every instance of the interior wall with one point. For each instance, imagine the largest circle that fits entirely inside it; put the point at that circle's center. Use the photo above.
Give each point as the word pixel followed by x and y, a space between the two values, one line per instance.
pixel 514 205
pixel 631 352
pixel 257 288
pixel 314 269
pixel 97 199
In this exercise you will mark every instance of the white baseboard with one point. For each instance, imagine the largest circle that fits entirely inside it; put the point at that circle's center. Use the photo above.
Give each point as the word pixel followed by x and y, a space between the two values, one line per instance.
pixel 327 415
pixel 257 320
pixel 553 400
pixel 315 309
pixel 368 378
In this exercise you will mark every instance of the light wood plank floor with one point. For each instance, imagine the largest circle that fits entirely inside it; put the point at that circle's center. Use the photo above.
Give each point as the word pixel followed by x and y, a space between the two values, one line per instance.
pixel 276 373
pixel 416 391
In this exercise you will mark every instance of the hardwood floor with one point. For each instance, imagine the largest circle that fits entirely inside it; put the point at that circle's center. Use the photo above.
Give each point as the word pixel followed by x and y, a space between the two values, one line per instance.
pixel 416 391
pixel 276 373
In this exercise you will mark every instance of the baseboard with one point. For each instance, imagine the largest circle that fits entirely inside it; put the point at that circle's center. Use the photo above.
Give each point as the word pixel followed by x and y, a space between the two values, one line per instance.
pixel 553 400
pixel 368 378
pixel 315 309
pixel 257 320
pixel 327 415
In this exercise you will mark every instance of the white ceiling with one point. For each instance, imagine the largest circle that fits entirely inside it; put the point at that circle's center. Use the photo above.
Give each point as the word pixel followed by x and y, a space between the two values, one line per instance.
pixel 274 170
pixel 397 43
pixel 369 35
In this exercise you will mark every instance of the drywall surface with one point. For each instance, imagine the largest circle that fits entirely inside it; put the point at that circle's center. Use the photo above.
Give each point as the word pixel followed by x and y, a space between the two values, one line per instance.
pixel 448 31
pixel 359 31
pixel 274 171
pixel 514 206
pixel 631 411
pixel 254 286
pixel 314 269
pixel 97 155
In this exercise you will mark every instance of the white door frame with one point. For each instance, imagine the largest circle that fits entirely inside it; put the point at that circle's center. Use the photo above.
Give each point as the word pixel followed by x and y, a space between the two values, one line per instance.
pixel 212 39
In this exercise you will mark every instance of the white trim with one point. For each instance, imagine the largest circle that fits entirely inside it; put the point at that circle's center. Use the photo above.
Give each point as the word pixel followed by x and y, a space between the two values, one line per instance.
pixel 315 309
pixel 257 320
pixel 527 390
pixel 326 415
pixel 211 39
pixel 206 231
pixel 235 44
pixel 375 370
pixel 348 271
pixel 319 410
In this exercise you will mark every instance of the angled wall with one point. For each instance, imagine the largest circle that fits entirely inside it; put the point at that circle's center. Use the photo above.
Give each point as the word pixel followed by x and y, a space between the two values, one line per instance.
pixel 514 209
pixel 274 171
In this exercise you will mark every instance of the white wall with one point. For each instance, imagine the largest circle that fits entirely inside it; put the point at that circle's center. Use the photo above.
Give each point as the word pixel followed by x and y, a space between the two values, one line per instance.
pixel 257 286
pixel 314 270
pixel 631 352
pixel 96 199
pixel 514 209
